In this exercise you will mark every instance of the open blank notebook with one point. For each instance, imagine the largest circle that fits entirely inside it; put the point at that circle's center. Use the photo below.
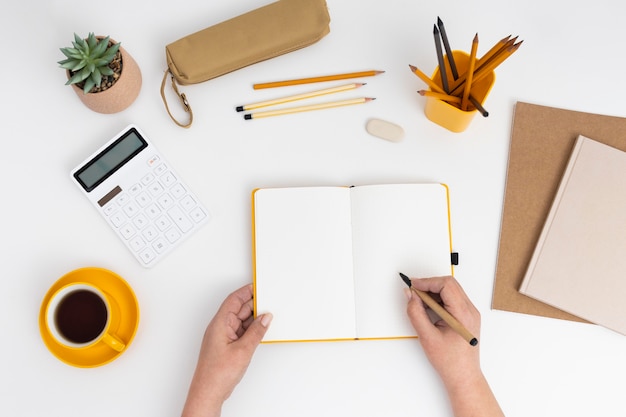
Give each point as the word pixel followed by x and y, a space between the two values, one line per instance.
pixel 578 263
pixel 326 259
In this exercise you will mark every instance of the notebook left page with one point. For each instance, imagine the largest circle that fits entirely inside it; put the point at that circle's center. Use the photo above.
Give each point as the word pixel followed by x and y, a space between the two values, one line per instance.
pixel 303 262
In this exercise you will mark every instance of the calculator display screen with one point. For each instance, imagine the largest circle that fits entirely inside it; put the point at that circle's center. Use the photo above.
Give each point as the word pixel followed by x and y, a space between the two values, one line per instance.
pixel 110 160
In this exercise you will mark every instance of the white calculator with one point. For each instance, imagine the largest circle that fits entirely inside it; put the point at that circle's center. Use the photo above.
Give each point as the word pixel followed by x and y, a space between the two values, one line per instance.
pixel 139 194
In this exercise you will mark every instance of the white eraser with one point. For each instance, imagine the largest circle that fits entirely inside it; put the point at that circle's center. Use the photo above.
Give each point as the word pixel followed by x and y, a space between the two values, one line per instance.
pixel 385 130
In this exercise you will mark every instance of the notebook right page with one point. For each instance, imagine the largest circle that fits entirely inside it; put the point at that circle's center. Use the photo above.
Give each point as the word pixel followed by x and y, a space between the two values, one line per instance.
pixel 578 263
pixel 396 228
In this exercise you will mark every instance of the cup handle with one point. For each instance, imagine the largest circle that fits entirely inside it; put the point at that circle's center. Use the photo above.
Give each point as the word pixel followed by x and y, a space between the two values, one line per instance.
pixel 113 342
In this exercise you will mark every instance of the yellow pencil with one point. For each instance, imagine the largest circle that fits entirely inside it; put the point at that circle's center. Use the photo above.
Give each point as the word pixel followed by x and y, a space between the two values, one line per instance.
pixel 470 73
pixel 504 42
pixel 317 79
pixel 492 54
pixel 303 96
pixel 487 68
pixel 440 96
pixel 427 79
pixel 320 106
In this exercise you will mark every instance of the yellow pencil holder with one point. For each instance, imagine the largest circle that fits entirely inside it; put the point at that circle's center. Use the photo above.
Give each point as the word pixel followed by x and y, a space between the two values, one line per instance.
pixel 448 115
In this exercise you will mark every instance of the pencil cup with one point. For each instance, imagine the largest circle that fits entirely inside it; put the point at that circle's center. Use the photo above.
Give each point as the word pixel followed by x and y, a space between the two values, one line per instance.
pixel 448 115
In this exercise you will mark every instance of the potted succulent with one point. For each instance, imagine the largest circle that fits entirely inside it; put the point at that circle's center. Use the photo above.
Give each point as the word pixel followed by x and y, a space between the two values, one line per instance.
pixel 103 75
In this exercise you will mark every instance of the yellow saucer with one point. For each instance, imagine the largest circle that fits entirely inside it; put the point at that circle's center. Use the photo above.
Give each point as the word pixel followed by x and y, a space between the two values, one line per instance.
pixel 124 327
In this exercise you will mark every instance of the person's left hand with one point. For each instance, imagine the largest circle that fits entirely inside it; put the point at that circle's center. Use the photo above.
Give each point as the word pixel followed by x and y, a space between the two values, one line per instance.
pixel 227 348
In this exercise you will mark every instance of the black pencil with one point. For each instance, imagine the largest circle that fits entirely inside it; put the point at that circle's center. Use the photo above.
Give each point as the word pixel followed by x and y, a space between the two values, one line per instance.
pixel 442 64
pixel 446 45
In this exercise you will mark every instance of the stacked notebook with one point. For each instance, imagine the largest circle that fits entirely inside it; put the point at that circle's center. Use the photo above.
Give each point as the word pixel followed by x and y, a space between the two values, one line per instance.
pixel 563 220
pixel 578 263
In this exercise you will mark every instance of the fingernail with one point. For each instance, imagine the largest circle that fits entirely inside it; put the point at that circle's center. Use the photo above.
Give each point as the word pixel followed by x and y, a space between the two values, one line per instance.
pixel 408 293
pixel 266 319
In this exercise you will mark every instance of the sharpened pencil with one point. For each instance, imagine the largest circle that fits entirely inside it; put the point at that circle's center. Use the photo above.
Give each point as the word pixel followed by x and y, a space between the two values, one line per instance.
pixel 433 86
pixel 442 63
pixel 317 79
pixel 311 107
pixel 441 312
pixel 470 73
pixel 446 45
pixel 303 96
pixel 440 96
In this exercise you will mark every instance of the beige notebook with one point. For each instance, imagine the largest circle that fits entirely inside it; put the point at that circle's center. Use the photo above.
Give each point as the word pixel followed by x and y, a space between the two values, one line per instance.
pixel 578 263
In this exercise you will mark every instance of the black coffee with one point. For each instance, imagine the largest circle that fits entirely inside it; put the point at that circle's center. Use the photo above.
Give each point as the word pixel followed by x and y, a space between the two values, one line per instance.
pixel 81 316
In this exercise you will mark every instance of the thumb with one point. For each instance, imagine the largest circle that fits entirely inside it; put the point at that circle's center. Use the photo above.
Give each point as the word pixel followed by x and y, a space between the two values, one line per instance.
pixel 417 314
pixel 255 332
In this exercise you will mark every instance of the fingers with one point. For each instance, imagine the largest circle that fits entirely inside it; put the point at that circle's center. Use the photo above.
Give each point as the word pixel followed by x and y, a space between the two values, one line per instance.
pixel 255 332
pixel 419 318
pixel 453 298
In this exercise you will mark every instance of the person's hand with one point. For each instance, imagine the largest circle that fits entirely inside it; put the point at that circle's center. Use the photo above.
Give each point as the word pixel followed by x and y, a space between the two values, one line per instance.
pixel 227 348
pixel 451 355
pixel 455 360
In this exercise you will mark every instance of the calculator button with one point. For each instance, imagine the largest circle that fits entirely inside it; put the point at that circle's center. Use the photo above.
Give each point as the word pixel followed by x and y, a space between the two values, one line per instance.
pixel 168 179
pixel 163 223
pixel 127 231
pixel 188 202
pixel 137 243
pixel 178 190
pixel 147 255
pixel 153 210
pixel 160 169
pixel 131 209
pixel 160 245
pixel 143 199
pixel 172 235
pixel 165 201
pixel 180 219
pixel 197 214
pixel 134 189
pixel 140 221
pixel 147 179
pixel 155 189
pixel 118 219
pixel 153 161
pixel 122 199
pixel 150 233
pixel 109 209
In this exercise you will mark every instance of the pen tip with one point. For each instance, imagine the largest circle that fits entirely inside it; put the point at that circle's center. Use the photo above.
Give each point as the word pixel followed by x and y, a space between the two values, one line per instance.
pixel 406 279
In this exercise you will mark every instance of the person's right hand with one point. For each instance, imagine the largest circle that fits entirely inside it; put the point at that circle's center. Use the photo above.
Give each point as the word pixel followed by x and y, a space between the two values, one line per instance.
pixel 452 356
pixel 455 360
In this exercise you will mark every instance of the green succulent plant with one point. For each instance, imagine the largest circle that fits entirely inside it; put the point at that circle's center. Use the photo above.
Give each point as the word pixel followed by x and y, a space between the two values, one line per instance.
pixel 88 60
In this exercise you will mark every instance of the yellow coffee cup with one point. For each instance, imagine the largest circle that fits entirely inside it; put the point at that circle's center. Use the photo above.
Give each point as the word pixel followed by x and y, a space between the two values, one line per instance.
pixel 79 316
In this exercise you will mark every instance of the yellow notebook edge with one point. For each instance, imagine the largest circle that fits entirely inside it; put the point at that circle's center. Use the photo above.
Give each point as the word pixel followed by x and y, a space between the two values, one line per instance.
pixel 254 306
pixel 449 224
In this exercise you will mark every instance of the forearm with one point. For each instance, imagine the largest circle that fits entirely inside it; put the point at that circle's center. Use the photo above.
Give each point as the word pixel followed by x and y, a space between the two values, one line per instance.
pixel 473 397
pixel 202 400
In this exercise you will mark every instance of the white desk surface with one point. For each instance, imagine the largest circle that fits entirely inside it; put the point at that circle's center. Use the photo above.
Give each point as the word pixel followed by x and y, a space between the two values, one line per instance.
pixel 571 58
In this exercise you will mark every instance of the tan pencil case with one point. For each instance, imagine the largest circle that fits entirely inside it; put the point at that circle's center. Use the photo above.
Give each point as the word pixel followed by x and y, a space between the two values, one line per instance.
pixel 263 33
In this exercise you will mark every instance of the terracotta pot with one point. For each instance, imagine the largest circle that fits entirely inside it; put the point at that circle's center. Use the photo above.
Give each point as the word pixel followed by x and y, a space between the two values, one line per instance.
pixel 121 95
